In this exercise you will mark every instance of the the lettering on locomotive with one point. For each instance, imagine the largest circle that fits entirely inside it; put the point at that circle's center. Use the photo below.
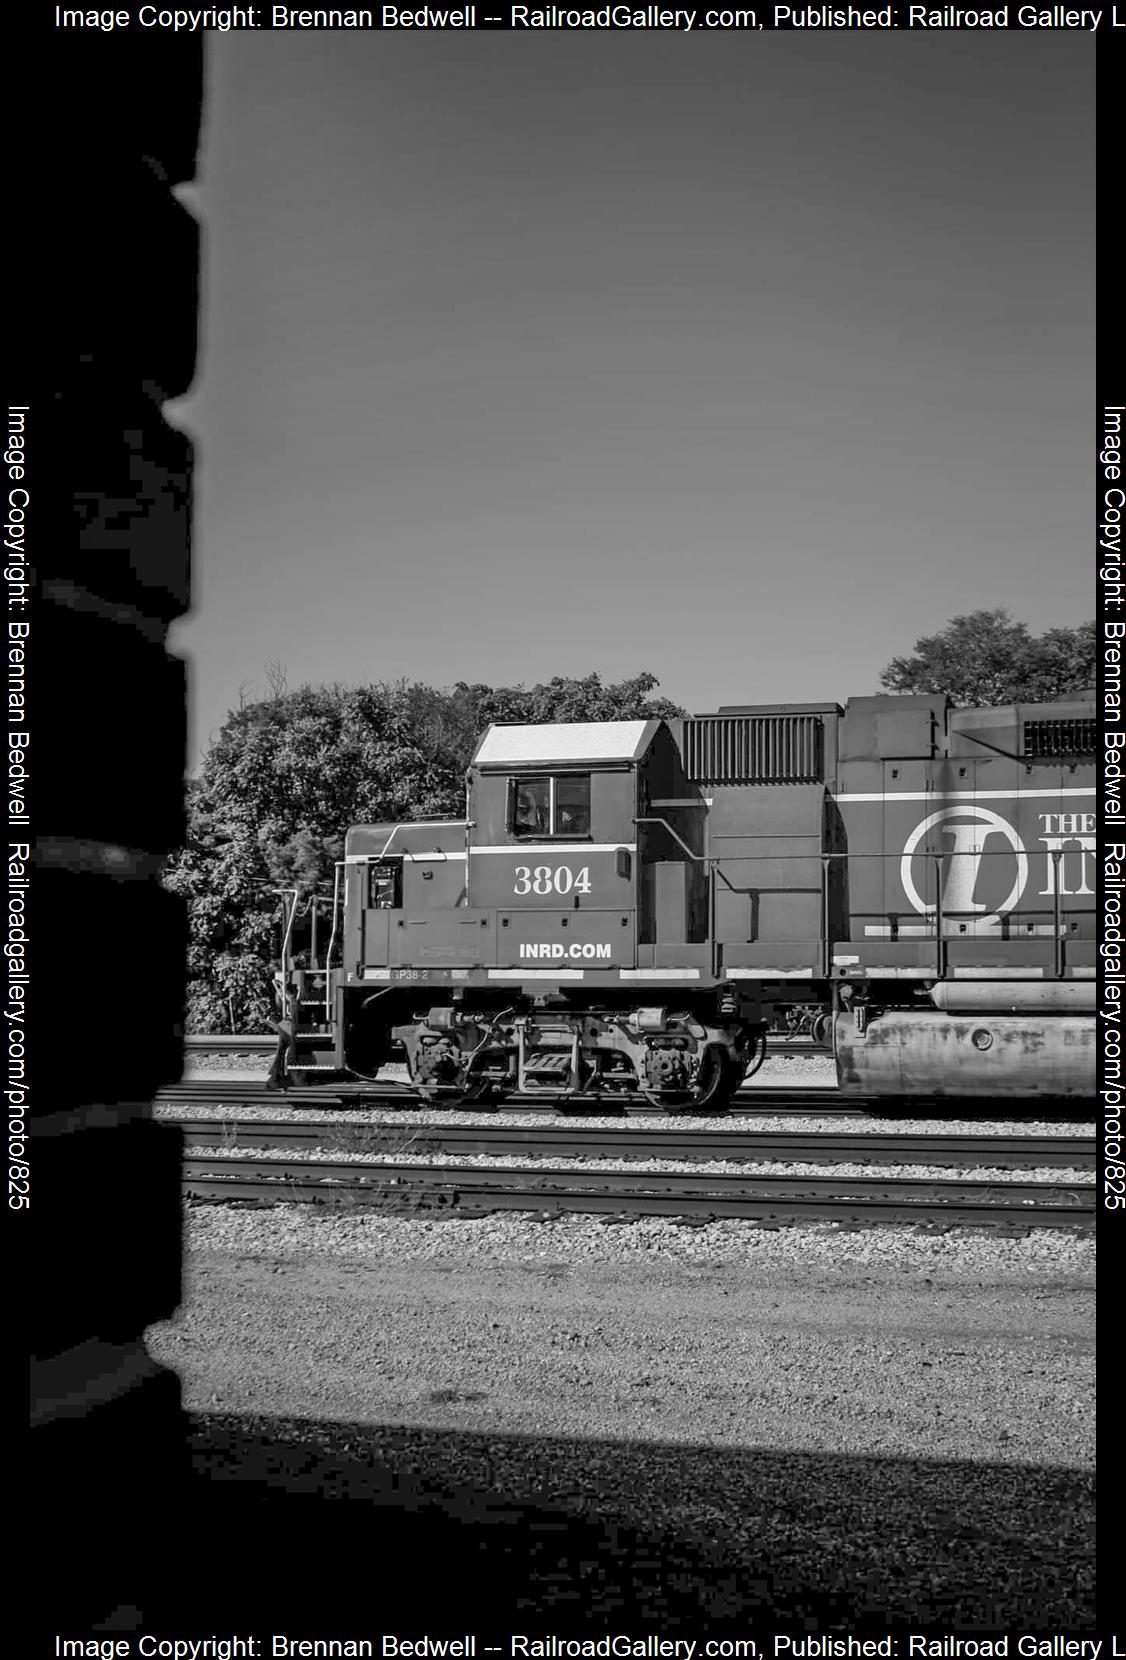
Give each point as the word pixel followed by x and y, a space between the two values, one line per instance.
pixel 627 906
pixel 586 950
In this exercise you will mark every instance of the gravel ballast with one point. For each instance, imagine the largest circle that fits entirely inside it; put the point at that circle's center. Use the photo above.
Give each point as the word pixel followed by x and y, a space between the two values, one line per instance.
pixel 788 1123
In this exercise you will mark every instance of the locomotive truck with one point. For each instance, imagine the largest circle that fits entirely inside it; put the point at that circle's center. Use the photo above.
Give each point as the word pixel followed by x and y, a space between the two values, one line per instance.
pixel 627 905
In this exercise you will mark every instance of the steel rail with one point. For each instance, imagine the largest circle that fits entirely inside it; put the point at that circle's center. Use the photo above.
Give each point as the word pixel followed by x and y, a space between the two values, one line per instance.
pixel 1005 1152
pixel 753 1102
pixel 257 1090
pixel 225 1043
pixel 473 1190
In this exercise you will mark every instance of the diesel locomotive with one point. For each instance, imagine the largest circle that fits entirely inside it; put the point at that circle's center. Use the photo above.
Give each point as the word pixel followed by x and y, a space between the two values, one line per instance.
pixel 627 905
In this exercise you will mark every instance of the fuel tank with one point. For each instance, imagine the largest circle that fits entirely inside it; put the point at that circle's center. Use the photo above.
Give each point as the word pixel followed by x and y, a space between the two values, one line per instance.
pixel 985 1054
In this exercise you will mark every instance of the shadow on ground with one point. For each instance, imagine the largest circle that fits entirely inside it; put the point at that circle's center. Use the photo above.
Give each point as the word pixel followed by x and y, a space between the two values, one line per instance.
pixel 333 1529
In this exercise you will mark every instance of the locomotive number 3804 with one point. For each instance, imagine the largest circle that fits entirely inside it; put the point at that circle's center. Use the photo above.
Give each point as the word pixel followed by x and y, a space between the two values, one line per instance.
pixel 542 879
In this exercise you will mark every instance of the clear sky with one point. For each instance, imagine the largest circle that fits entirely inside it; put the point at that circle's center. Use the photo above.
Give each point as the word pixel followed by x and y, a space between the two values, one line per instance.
pixel 746 359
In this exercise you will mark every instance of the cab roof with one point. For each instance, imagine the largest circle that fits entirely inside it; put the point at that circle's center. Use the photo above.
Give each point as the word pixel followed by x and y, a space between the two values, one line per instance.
pixel 568 744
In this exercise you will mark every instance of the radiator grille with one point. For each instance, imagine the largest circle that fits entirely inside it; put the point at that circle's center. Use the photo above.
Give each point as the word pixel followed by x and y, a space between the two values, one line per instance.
pixel 1059 737
pixel 755 749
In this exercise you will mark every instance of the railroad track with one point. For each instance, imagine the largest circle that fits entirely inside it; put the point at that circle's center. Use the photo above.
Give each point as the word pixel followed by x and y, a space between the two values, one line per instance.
pixel 453 1190
pixel 700 1146
pixel 235 1092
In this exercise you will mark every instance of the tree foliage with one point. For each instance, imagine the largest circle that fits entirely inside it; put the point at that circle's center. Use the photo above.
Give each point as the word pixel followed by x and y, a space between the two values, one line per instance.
pixel 985 658
pixel 289 773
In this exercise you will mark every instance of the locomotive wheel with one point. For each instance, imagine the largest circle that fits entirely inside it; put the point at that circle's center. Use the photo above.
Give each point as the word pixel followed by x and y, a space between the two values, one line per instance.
pixel 719 1078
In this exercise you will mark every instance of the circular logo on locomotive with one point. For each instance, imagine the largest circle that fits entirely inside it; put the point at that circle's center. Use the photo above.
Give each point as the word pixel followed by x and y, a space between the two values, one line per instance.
pixel 964 864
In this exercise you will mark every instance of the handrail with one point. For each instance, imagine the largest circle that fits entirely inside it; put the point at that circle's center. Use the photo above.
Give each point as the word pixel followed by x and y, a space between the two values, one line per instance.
pixel 700 858
pixel 826 943
pixel 290 920
pixel 469 826
pixel 935 916
pixel 332 939
pixel 939 917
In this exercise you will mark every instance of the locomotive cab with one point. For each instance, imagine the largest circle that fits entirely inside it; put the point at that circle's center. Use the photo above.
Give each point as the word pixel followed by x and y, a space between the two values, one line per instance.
pixel 553 845
pixel 588 842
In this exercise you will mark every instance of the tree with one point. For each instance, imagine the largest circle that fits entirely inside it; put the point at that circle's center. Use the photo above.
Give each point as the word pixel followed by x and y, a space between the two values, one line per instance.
pixel 289 773
pixel 985 658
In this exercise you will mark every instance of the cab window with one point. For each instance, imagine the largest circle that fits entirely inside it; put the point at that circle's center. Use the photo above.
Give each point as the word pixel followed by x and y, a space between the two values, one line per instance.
pixel 572 806
pixel 533 807
pixel 550 806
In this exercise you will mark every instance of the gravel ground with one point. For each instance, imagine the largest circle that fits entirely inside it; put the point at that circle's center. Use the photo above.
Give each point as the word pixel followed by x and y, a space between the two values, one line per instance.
pixel 897 1418
pixel 831 1255
pixel 799 1123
